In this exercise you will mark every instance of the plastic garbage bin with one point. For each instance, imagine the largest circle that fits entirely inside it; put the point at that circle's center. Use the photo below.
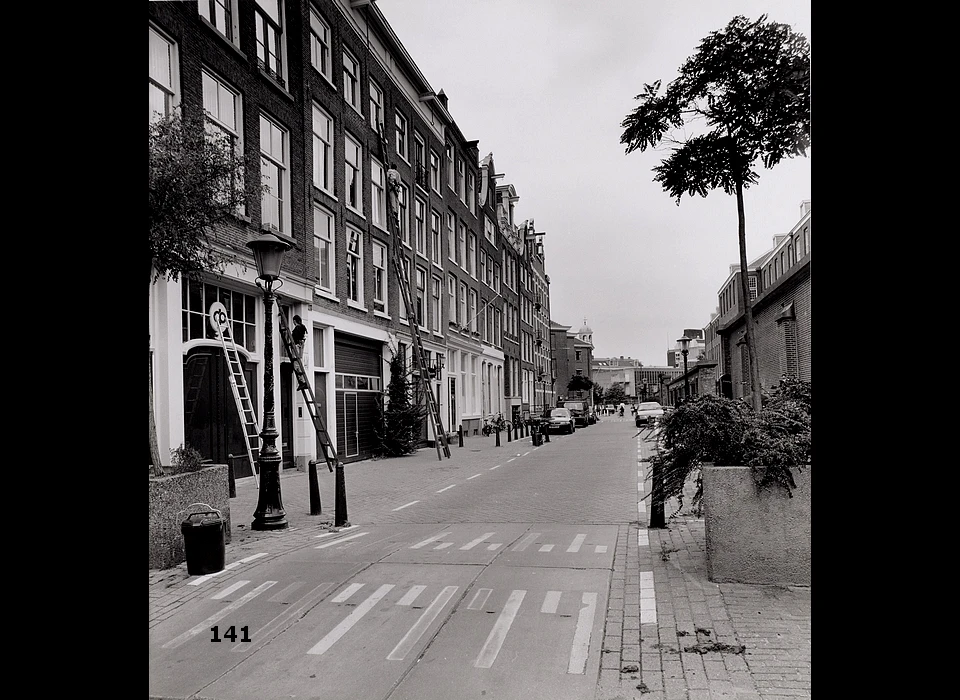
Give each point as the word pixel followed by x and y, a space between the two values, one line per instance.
pixel 204 540
pixel 536 434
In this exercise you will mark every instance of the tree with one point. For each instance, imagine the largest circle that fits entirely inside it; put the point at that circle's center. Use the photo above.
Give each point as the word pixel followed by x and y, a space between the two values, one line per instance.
pixel 750 84
pixel 579 383
pixel 196 181
pixel 616 394
pixel 597 394
pixel 400 422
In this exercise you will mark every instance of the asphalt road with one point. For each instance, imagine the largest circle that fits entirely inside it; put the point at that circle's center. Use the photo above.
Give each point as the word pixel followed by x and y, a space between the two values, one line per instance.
pixel 486 577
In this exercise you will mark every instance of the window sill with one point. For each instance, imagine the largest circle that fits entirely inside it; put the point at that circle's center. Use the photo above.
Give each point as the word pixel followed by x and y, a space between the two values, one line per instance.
pixel 326 78
pixel 381 314
pixel 356 212
pixel 320 190
pixel 273 81
pixel 437 265
pixel 224 38
pixel 357 305
pixel 320 292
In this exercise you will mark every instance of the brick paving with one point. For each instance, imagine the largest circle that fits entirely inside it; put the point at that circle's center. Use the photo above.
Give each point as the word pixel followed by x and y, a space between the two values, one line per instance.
pixel 708 641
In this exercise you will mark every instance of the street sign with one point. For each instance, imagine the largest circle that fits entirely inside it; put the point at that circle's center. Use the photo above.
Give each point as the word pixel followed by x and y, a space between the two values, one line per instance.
pixel 219 320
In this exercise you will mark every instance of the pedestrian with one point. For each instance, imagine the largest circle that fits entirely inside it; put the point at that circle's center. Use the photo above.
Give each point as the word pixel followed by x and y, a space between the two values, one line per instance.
pixel 299 334
pixel 393 189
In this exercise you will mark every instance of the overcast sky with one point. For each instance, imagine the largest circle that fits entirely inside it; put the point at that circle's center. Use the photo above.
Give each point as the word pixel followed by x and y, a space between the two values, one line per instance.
pixel 544 85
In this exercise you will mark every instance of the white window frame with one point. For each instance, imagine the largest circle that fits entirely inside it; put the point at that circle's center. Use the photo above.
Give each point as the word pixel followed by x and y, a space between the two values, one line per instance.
pixel 403 218
pixel 420 160
pixel 472 255
pixel 376 106
pixel 322 149
pixel 269 35
pixel 459 180
pixel 436 238
pixel 472 309
pixel 279 159
pixel 353 174
pixel 420 298
pixel 378 202
pixel 420 226
pixel 436 298
pixel 462 245
pixel 435 175
pixel 462 314
pixel 489 230
pixel 351 80
pixel 223 108
pixel 403 135
pixel 355 268
pixel 222 16
pixel 482 267
pixel 405 266
pixel 380 286
pixel 448 162
pixel 321 53
pixel 324 227
pixel 163 74
pixel 451 299
pixel 472 193
pixel 451 237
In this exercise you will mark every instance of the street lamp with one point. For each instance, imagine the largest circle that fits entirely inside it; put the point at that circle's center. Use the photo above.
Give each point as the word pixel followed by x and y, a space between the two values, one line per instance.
pixel 685 350
pixel 268 252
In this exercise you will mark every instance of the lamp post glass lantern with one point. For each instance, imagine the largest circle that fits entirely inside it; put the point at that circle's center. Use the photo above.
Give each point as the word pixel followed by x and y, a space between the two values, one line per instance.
pixel 685 350
pixel 268 252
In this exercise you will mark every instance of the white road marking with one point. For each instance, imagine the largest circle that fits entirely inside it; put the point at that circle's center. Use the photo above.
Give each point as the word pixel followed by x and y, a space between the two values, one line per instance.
pixel 494 546
pixel 639 487
pixel 341 540
pixel 283 595
pixel 496 467
pixel 331 638
pixel 648 601
pixel 232 565
pixel 601 549
pixel 488 654
pixel 550 602
pixel 525 542
pixel 581 638
pixel 480 599
pixel 347 592
pixel 474 543
pixel 641 507
pixel 511 459
pixel 264 633
pixel 546 548
pixel 228 590
pixel 427 541
pixel 411 595
pixel 474 476
pixel 404 506
pixel 577 541
pixel 217 616
pixel 444 545
pixel 526 453
pixel 415 632
pixel 446 488
pixel 643 537
pixel 326 534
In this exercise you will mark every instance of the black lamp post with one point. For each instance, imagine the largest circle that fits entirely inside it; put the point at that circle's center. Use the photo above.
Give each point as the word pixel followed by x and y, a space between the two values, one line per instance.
pixel 685 350
pixel 268 253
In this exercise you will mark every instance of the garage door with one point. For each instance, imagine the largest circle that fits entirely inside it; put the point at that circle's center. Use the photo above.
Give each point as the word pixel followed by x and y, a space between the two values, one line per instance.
pixel 358 385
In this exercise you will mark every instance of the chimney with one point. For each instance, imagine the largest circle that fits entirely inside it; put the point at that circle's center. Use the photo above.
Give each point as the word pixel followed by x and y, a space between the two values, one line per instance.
pixel 442 98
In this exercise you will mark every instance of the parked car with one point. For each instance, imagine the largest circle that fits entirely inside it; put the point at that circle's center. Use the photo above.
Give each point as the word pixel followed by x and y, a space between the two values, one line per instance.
pixel 648 412
pixel 559 420
pixel 579 410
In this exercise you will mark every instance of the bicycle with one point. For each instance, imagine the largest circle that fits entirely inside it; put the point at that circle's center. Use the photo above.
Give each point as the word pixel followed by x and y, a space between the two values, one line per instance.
pixel 498 424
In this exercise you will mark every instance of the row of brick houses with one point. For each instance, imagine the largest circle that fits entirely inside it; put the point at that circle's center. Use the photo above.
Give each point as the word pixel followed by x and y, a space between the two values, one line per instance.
pixel 304 89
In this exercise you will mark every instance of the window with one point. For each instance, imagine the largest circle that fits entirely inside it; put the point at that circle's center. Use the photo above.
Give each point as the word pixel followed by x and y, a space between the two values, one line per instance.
pixel 448 164
pixel 318 347
pixel 484 331
pixel 483 266
pixel 354 173
pixel 405 265
pixel 322 150
pixel 472 310
pixel 462 246
pixel 578 354
pixel 377 201
pixel 420 305
pixel 403 196
pixel 269 26
pixel 489 279
pixel 452 299
pixel 435 245
pixel 420 226
pixel 275 204
pixel 402 147
pixel 320 45
pixel 437 292
pixel 472 255
pixel 462 316
pixel 458 181
pixel 497 337
pixel 496 277
pixel 220 14
pixel 379 277
pixel 354 267
pixel 323 248
pixel 451 239
pixel 351 80
pixel 472 193
pixel 162 75
pixel 419 160
pixel 489 230
pixel 222 105
pixel 196 298
pixel 434 172
pixel 376 106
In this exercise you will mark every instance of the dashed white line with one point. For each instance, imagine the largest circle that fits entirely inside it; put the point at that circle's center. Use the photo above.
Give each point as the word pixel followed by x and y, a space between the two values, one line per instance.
pixel 577 542
pixel 444 545
pixel 411 595
pixel 525 542
pixel 480 599
pixel 331 638
pixel 415 632
pixel 228 590
pixel 511 459
pixel 488 654
pixel 600 549
pixel 474 543
pixel 581 638
pixel 217 616
pixel 474 476
pixel 404 506
pixel 648 602
pixel 427 541
pixel 526 453
pixel 347 592
pixel 446 488
pixel 496 467
pixel 341 540
pixel 232 565
pixel 546 548
pixel 550 602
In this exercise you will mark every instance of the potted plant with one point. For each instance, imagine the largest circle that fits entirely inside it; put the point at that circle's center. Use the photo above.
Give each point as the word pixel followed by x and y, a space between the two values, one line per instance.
pixel 746 469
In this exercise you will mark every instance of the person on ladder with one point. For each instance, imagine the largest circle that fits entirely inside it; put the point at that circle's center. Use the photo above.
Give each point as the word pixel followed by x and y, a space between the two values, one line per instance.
pixel 393 190
pixel 299 337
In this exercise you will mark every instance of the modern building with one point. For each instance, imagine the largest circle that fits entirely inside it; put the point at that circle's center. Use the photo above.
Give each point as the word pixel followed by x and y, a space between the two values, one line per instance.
pixel 321 98
pixel 607 371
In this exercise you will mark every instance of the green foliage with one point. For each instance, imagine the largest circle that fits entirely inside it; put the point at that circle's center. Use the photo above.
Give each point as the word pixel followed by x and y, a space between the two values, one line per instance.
pixel 196 181
pixel 186 459
pixel 398 429
pixel 615 394
pixel 729 432
pixel 598 395
pixel 579 383
pixel 750 84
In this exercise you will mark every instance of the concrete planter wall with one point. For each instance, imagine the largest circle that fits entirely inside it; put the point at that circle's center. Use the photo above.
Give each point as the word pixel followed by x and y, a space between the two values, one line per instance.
pixel 758 537
pixel 169 499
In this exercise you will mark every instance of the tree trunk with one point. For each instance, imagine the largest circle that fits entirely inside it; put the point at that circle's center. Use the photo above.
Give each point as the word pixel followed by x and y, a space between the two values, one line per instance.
pixel 755 398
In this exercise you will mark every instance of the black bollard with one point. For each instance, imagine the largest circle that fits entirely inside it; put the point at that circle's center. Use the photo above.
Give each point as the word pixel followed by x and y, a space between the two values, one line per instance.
pixel 460 434
pixel 657 519
pixel 340 514
pixel 314 488
pixel 498 437
pixel 231 477
pixel 508 433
